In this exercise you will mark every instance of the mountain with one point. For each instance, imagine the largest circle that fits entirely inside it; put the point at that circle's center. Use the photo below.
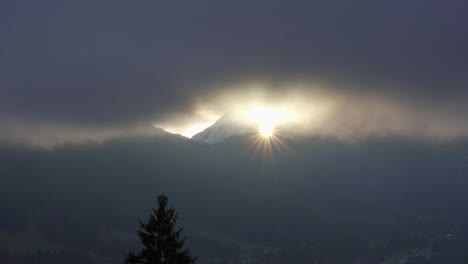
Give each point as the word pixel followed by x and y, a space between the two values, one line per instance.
pixel 226 127
pixel 315 201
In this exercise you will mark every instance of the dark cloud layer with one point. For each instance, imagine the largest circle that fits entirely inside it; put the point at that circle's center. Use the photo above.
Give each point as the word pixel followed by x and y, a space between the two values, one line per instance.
pixel 113 63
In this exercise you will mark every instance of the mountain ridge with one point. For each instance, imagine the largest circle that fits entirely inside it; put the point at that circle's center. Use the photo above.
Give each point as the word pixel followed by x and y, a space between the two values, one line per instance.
pixel 224 128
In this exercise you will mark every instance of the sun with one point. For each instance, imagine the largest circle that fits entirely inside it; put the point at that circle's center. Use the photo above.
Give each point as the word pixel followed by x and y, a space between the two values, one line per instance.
pixel 265 119
pixel 266 130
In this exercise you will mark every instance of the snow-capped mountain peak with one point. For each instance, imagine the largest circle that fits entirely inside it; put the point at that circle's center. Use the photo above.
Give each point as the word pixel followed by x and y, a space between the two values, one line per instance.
pixel 222 129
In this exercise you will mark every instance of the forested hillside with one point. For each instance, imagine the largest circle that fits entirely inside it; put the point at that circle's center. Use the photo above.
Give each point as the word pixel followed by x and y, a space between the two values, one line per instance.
pixel 388 200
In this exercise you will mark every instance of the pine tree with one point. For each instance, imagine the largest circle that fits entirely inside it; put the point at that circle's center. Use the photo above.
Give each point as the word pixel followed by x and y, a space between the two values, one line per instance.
pixel 162 243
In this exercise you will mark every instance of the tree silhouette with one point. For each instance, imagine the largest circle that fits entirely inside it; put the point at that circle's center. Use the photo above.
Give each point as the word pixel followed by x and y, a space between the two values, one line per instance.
pixel 161 241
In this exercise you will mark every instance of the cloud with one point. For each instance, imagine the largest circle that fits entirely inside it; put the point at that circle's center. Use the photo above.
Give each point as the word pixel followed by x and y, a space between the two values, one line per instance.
pixel 118 63
pixel 323 111
pixel 52 135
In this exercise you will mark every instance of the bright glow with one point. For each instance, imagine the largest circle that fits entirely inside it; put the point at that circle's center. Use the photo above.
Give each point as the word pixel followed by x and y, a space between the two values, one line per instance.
pixel 267 119
pixel 190 124
pixel 195 129
pixel 266 130
pixel 187 131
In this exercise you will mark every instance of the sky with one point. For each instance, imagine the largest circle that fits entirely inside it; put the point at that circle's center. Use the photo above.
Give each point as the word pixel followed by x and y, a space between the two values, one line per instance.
pixel 73 71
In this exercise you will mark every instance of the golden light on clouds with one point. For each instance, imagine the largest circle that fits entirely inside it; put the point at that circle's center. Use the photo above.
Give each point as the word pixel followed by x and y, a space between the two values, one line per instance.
pixel 300 110
pixel 251 111
pixel 308 109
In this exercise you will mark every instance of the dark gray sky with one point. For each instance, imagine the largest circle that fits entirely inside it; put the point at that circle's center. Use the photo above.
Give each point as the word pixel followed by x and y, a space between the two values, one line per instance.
pixel 115 63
